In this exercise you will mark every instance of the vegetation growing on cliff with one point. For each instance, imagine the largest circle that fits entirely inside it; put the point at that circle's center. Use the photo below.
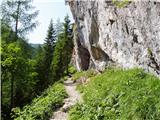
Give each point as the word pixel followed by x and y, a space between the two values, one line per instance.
pixel 120 3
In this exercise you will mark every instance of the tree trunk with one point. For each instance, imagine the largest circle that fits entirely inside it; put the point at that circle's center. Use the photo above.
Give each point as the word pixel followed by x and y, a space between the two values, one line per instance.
pixel 12 92
pixel 67 65
pixel 17 20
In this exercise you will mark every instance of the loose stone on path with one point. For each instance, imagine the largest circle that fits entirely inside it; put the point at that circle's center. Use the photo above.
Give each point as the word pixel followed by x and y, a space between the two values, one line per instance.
pixel 73 97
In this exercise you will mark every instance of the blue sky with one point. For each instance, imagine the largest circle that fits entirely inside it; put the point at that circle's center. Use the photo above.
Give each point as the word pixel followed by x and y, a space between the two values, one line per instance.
pixel 47 9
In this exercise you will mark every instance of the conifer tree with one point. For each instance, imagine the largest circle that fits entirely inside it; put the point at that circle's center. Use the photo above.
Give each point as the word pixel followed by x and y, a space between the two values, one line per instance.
pixel 43 68
pixel 19 15
pixel 63 50
pixel 68 40
pixel 59 27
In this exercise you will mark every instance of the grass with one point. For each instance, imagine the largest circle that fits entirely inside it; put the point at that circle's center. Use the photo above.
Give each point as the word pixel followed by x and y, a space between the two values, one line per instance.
pixel 120 3
pixel 42 107
pixel 86 74
pixel 119 95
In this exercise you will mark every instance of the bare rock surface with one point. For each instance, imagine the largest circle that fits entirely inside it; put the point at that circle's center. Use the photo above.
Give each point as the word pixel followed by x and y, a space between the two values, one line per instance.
pixel 73 97
pixel 128 36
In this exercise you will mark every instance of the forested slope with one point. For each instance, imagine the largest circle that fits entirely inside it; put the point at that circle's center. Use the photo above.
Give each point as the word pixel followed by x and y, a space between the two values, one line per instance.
pixel 28 71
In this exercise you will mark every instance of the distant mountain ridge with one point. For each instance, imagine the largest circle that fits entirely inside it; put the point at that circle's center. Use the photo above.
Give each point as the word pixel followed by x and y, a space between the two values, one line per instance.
pixel 34 45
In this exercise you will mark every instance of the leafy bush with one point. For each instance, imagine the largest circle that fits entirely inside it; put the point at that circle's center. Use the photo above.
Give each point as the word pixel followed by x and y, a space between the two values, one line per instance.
pixel 42 107
pixel 72 70
pixel 119 95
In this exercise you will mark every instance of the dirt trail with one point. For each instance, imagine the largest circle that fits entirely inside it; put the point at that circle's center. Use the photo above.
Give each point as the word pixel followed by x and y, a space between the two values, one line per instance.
pixel 73 97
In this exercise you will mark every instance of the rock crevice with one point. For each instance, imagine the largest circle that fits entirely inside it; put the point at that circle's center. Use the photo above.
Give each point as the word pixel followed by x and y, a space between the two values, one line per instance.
pixel 122 35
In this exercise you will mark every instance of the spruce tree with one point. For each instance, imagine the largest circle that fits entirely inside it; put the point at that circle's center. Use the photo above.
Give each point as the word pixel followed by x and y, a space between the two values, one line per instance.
pixel 68 40
pixel 59 27
pixel 44 69
pixel 63 50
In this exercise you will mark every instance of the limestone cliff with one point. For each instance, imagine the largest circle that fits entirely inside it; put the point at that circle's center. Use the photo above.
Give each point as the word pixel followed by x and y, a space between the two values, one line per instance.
pixel 128 36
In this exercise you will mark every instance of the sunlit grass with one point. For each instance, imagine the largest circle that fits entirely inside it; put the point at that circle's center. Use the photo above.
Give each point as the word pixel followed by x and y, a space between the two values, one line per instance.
pixel 119 95
pixel 43 106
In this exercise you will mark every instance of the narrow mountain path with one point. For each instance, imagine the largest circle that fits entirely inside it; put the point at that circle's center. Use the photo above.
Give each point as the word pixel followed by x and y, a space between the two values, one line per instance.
pixel 73 97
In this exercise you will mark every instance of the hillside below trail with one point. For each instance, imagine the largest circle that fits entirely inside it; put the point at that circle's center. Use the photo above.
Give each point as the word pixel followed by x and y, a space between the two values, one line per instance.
pixel 73 97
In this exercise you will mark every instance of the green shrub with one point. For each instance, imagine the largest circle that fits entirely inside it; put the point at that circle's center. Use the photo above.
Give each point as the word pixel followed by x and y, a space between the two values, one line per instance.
pixel 87 74
pixel 42 107
pixel 72 70
pixel 119 95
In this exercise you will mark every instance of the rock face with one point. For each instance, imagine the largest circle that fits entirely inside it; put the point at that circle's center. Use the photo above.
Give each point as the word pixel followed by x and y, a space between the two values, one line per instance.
pixel 128 36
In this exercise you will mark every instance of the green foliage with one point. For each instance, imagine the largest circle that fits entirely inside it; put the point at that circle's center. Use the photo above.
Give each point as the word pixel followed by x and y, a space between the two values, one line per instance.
pixel 6 32
pixel 15 12
pixel 18 76
pixel 59 27
pixel 35 50
pixel 120 3
pixel 119 95
pixel 63 51
pixel 42 107
pixel 72 70
pixel 44 59
pixel 23 75
pixel 87 74
pixel 58 64
pixel 16 67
